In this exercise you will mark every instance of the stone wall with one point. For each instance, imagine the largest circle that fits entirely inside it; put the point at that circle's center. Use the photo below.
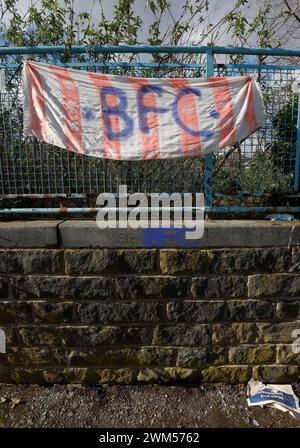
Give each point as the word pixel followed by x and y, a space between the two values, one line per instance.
pixel 95 316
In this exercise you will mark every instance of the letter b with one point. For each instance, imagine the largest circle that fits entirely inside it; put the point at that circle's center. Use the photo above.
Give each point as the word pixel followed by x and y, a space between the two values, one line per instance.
pixel 118 110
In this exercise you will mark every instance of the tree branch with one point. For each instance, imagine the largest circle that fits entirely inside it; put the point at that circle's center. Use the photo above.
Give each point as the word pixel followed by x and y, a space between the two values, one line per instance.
pixel 291 10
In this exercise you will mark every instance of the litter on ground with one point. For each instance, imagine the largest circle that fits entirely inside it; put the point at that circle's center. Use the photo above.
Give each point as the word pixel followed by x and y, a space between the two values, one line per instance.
pixel 279 396
pixel 280 217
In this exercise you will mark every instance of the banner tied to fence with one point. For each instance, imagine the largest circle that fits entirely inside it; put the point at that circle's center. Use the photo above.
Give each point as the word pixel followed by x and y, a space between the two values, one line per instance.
pixel 130 118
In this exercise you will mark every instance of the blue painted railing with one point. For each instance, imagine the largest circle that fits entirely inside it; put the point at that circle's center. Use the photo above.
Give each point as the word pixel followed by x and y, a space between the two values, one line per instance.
pixel 251 179
pixel 150 49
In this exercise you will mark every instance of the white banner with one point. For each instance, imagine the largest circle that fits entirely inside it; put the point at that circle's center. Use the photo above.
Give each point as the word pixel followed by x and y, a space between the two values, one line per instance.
pixel 128 118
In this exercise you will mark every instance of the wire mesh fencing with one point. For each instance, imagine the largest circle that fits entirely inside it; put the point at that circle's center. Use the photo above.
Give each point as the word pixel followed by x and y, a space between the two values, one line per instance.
pixel 264 164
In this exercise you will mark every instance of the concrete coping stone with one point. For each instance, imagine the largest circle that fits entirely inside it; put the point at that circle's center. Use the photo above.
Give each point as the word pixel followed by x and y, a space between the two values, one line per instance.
pixel 75 233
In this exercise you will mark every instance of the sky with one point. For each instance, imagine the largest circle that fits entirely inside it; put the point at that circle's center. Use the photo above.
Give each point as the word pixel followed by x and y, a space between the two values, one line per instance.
pixel 219 8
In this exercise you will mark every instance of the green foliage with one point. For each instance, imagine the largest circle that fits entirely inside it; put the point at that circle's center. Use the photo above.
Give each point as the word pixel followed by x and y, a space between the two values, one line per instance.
pixel 56 23
pixel 283 148
pixel 53 22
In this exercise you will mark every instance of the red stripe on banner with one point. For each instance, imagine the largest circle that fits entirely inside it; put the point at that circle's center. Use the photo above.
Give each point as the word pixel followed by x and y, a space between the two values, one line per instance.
pixel 112 148
pixel 71 104
pixel 36 98
pixel 151 141
pixel 250 115
pixel 224 107
pixel 188 114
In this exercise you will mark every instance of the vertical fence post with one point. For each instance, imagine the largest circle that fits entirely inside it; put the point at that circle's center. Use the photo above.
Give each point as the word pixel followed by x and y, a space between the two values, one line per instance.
pixel 208 159
pixel 297 161
pixel 56 58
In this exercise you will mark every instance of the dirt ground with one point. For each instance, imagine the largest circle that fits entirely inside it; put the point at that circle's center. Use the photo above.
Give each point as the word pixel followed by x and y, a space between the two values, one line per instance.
pixel 134 406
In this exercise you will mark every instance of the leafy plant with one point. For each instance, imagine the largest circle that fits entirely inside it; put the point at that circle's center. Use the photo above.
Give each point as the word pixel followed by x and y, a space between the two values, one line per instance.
pixel 283 149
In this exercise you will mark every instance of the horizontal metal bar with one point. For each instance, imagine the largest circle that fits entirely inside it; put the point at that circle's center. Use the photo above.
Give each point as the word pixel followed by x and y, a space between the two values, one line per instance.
pixel 84 210
pixel 258 209
pixel 241 195
pixel 103 49
pixel 9 66
pixel 265 67
pixel 94 210
pixel 70 196
pixel 131 64
pixel 46 196
pixel 162 65
pixel 254 195
pixel 90 195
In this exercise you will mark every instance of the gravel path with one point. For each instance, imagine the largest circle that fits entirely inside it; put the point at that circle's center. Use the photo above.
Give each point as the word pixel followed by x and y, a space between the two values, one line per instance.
pixel 134 406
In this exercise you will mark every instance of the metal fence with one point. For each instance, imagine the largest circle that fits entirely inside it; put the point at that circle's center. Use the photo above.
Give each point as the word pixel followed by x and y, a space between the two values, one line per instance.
pixel 258 174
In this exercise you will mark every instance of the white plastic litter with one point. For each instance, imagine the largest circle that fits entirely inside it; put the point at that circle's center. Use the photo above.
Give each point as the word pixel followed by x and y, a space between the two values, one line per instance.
pixel 280 217
pixel 279 396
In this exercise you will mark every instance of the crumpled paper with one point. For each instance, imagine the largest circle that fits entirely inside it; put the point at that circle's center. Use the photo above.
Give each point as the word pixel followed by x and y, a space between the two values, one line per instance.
pixel 279 396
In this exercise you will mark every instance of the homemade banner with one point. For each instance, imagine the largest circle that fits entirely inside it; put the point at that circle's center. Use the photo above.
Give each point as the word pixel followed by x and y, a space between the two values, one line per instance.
pixel 128 118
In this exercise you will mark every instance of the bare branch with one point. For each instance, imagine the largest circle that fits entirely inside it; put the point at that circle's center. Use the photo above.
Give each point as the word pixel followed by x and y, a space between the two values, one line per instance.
pixel 291 10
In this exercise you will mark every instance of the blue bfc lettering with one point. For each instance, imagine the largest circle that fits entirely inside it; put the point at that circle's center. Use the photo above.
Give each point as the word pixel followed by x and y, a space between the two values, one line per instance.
pixel 143 109
pixel 182 92
pixel 119 110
